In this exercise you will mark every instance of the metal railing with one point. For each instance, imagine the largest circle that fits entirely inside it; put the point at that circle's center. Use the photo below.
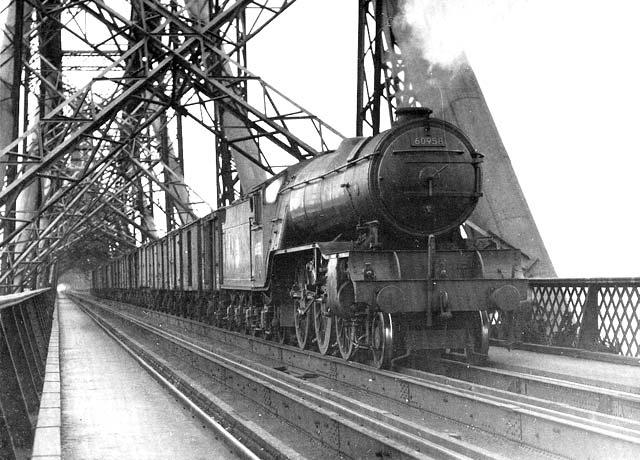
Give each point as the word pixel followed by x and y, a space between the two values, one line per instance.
pixel 25 327
pixel 595 314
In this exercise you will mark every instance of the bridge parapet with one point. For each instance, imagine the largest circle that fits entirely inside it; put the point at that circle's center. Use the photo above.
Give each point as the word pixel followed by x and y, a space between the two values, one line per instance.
pixel 594 314
pixel 25 328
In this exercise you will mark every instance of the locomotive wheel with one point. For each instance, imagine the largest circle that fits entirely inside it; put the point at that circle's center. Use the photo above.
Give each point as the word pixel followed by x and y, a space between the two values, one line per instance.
pixel 303 328
pixel 345 335
pixel 281 334
pixel 323 323
pixel 477 348
pixel 228 321
pixel 381 340
pixel 302 310
pixel 241 315
pixel 218 318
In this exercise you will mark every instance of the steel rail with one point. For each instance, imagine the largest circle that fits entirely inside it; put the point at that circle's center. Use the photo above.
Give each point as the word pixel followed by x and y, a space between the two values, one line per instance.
pixel 539 428
pixel 581 380
pixel 236 445
pixel 569 352
pixel 575 394
pixel 360 427
pixel 266 443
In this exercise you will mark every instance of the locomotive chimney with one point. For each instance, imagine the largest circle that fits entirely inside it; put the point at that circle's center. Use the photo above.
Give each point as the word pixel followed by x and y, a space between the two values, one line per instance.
pixel 406 114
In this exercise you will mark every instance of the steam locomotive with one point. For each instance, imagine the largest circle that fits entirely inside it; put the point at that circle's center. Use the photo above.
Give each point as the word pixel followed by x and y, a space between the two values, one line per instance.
pixel 360 251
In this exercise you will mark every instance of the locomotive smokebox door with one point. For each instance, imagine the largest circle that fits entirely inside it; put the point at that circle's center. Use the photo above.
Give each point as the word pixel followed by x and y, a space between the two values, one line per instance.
pixel 427 176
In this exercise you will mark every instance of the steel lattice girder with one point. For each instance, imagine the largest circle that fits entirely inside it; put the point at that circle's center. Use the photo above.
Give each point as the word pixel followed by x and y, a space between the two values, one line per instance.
pixel 379 74
pixel 86 212
pixel 115 149
pixel 221 88
pixel 97 171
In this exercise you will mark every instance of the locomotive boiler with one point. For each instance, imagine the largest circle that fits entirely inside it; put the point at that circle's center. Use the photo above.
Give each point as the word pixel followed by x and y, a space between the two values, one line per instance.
pixel 420 178
pixel 360 252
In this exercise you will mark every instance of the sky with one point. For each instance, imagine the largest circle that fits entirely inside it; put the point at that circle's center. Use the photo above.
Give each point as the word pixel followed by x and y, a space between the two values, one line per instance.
pixel 562 81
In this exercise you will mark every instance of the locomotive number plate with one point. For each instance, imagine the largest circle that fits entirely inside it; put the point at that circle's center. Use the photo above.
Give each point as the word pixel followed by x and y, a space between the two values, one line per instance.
pixel 428 141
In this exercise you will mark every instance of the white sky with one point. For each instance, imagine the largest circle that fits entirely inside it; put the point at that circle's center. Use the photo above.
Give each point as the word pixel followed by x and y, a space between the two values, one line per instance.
pixel 562 80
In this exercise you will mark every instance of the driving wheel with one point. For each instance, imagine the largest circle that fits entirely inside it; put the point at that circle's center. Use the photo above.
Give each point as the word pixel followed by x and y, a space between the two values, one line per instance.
pixel 381 336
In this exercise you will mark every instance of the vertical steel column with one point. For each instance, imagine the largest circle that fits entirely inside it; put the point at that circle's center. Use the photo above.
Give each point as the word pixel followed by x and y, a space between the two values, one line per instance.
pixel 360 77
pixel 371 77
pixel 377 67
pixel 164 156
pixel 589 332
pixel 11 43
pixel 180 141
pixel 227 184
pixel 226 173
pixel 18 45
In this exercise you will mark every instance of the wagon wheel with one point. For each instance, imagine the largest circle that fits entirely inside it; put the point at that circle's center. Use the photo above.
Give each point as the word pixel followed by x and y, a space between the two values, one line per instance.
pixel 303 327
pixel 237 314
pixel 256 331
pixel 323 324
pixel 302 309
pixel 244 324
pixel 381 340
pixel 477 349
pixel 218 316
pixel 280 334
pixel 345 336
pixel 229 318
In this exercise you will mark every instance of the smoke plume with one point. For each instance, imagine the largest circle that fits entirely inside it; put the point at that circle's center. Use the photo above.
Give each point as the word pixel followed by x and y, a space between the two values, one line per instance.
pixel 435 36
pixel 443 30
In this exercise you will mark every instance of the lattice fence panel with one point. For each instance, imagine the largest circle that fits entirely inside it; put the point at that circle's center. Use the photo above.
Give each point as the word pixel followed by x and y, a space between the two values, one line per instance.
pixel 599 314
pixel 619 318
pixel 558 310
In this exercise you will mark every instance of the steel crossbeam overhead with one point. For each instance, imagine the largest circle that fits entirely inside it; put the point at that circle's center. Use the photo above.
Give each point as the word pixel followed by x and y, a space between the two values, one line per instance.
pixel 71 209
pixel 205 68
pixel 90 165
pixel 93 162
pixel 72 220
pixel 64 216
pixel 97 171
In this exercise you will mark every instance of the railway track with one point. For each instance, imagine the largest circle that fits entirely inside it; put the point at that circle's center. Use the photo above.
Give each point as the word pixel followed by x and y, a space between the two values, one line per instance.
pixel 332 396
pixel 570 391
pixel 352 429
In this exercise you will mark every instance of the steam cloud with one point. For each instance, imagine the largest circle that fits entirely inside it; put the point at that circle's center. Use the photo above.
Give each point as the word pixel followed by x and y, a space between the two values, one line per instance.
pixel 442 30
pixel 434 36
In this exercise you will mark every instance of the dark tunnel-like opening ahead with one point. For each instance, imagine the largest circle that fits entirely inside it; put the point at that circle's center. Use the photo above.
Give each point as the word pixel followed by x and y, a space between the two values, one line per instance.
pixel 75 280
